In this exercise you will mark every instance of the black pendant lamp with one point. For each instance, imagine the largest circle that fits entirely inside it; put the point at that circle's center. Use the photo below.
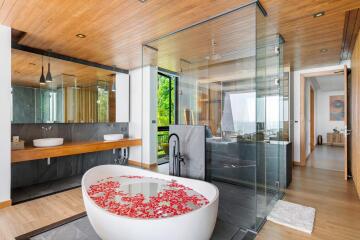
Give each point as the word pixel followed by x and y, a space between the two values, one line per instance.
pixel 42 77
pixel 48 75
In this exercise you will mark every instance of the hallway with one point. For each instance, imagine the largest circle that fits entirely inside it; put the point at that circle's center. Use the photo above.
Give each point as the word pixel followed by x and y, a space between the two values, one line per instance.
pixel 327 157
pixel 335 200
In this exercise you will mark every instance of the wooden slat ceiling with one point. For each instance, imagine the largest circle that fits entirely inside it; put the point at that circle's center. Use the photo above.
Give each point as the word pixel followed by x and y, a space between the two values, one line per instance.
pixel 351 30
pixel 116 29
pixel 305 35
pixel 221 40
pixel 26 70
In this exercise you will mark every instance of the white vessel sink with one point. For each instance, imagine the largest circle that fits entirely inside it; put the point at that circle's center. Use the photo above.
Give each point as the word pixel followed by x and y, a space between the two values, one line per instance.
pixel 48 142
pixel 113 137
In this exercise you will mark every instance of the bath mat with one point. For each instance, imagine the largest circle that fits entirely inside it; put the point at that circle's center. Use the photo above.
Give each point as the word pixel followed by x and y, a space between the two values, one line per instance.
pixel 293 215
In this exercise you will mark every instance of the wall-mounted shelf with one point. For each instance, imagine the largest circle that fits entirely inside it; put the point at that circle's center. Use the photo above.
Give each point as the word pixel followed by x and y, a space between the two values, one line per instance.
pixel 73 148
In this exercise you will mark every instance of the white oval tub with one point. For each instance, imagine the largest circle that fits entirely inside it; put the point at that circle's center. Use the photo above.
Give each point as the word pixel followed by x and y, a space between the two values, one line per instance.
pixel 195 225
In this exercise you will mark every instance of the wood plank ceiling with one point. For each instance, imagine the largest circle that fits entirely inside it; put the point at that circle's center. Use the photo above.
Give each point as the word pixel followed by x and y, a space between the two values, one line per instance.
pixel 116 29
pixel 305 35
pixel 221 40
pixel 351 30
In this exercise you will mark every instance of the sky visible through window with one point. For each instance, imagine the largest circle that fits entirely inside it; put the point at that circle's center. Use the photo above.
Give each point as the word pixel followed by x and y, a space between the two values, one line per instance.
pixel 246 110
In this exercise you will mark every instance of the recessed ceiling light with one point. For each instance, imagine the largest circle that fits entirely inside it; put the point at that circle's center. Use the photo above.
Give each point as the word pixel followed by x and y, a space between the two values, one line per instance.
pixel 324 50
pixel 213 42
pixel 80 35
pixel 319 14
pixel 142 1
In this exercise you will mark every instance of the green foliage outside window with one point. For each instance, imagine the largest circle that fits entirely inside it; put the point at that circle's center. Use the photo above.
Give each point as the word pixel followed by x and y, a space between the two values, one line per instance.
pixel 163 94
pixel 166 108
pixel 103 105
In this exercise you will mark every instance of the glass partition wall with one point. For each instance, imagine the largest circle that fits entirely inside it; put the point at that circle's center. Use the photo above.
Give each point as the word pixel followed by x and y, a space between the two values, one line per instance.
pixel 229 79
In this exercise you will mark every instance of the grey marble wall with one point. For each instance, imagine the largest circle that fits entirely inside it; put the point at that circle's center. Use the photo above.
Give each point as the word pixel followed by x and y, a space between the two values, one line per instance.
pixel 23 104
pixel 34 172
pixel 192 147
pixel 70 132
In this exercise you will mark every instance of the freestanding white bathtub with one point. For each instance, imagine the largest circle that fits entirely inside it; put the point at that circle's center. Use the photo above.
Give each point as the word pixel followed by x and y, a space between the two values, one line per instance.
pixel 195 225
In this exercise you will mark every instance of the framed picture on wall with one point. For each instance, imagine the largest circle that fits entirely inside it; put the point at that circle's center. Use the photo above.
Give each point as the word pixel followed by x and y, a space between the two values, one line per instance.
pixel 337 108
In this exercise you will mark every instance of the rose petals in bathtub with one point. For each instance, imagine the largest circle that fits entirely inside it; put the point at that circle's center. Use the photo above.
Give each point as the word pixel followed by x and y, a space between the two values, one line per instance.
pixel 145 197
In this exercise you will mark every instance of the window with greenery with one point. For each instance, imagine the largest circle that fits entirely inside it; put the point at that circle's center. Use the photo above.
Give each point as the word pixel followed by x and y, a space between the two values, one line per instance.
pixel 103 104
pixel 166 113
pixel 166 100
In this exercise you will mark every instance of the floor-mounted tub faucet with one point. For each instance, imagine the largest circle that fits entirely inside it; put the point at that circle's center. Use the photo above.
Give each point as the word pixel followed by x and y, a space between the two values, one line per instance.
pixel 121 156
pixel 177 157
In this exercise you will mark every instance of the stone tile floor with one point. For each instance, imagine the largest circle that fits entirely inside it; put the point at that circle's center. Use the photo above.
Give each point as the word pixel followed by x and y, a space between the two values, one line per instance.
pixel 81 229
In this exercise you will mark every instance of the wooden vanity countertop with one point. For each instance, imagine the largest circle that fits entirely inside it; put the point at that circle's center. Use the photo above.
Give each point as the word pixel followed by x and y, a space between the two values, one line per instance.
pixel 70 148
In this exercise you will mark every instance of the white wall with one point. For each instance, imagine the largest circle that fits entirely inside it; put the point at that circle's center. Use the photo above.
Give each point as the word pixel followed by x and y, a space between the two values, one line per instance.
pixel 122 97
pixel 5 120
pixel 307 114
pixel 143 110
pixel 296 84
pixel 149 115
pixel 135 123
pixel 324 125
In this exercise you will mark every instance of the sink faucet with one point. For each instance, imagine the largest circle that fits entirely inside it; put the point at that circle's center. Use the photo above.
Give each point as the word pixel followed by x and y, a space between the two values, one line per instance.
pixel 46 129
pixel 177 157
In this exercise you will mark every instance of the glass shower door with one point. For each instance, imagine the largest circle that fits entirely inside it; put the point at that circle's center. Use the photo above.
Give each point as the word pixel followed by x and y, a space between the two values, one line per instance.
pixel 229 74
pixel 268 122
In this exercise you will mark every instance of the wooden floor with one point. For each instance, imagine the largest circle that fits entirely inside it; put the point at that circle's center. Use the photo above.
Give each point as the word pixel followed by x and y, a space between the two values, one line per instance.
pixel 25 217
pixel 337 216
pixel 335 200
pixel 327 157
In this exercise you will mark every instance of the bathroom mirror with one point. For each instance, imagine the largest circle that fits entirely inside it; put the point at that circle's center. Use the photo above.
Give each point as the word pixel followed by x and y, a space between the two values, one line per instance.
pixel 76 93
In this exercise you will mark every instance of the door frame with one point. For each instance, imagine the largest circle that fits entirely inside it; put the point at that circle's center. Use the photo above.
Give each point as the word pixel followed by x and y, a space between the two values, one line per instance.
pixel 312 119
pixel 302 121
pixel 346 132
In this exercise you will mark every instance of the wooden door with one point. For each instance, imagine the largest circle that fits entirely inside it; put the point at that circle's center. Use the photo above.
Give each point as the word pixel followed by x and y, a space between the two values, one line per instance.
pixel 355 114
pixel 347 131
pixel 312 119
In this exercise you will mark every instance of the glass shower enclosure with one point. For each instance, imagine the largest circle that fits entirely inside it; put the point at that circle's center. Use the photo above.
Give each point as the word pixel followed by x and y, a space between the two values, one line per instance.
pixel 229 70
